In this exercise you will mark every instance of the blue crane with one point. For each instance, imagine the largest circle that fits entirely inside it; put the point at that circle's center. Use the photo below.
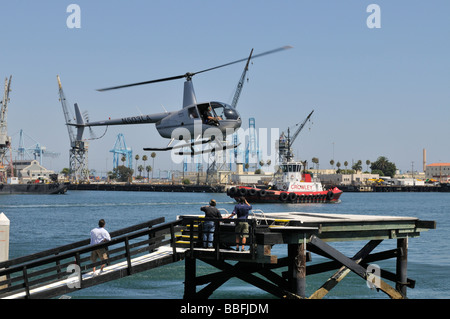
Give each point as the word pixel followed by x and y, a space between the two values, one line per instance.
pixel 120 149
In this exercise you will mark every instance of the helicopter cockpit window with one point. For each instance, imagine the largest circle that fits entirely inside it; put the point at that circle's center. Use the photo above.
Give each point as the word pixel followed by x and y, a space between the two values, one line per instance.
pixel 193 113
pixel 224 111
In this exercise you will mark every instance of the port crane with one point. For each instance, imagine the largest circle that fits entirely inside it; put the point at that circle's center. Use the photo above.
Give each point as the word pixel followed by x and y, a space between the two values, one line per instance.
pixel 285 142
pixel 78 153
pixel 5 140
pixel 34 151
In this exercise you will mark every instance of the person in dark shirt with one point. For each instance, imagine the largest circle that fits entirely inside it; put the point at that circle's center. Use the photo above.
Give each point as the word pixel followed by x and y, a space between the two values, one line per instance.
pixel 209 118
pixel 211 212
pixel 241 210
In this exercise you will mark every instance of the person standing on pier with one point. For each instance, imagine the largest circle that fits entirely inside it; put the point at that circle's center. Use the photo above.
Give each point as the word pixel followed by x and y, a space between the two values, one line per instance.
pixel 99 235
pixel 211 212
pixel 241 210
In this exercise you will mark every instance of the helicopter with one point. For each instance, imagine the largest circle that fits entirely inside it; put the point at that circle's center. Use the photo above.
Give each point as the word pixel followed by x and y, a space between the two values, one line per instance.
pixel 195 123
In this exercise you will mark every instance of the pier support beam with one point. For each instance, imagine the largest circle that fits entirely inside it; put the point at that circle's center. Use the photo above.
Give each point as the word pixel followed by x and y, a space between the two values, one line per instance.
pixel 297 268
pixel 190 287
pixel 402 266
pixel 353 266
pixel 343 271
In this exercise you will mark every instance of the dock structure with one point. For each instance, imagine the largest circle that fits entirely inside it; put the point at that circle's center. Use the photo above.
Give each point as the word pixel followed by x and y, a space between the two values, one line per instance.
pixel 156 243
pixel 303 234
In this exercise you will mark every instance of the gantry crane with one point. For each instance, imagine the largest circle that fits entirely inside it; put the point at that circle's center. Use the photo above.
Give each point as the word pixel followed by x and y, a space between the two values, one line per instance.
pixel 121 150
pixel 34 151
pixel 78 153
pixel 5 140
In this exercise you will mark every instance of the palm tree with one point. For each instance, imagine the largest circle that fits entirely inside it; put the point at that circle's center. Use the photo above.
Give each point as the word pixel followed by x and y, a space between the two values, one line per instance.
pixel 345 164
pixel 332 163
pixel 357 166
pixel 148 168
pixel 367 163
pixel 338 165
pixel 153 155
pixel 315 160
pixel 140 169
pixel 137 159
pixel 144 159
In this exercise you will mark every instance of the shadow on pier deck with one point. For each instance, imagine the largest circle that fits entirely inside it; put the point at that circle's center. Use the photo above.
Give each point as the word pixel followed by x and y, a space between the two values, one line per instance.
pixel 138 248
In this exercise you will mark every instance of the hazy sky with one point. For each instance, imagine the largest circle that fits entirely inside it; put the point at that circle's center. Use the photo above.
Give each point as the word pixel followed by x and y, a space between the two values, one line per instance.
pixel 375 91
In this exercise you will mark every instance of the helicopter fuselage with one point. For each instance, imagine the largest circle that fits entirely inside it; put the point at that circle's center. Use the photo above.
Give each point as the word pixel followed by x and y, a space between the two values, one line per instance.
pixel 192 121
pixel 186 124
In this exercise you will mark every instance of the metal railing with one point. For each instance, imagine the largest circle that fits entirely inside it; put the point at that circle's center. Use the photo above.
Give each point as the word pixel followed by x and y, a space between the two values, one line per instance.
pixel 23 274
pixel 221 235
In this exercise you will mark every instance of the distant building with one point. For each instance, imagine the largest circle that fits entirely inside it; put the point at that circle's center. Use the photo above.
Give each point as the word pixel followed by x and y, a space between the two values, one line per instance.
pixel 31 170
pixel 438 171
pixel 347 179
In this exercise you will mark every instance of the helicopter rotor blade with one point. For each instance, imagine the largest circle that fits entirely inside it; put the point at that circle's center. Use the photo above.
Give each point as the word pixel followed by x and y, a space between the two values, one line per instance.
pixel 188 75
pixel 142 83
pixel 245 59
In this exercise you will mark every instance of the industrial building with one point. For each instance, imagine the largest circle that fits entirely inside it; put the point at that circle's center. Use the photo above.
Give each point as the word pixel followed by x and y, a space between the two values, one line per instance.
pixel 438 171
pixel 30 170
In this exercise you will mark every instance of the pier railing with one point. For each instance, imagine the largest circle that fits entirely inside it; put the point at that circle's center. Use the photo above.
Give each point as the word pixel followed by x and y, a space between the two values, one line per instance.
pixel 22 275
pixel 224 234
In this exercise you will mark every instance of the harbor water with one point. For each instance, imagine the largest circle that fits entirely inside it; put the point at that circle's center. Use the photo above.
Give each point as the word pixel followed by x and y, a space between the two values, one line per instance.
pixel 40 222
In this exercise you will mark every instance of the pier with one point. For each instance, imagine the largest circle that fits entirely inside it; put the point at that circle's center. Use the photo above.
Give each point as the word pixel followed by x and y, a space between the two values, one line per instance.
pixel 156 243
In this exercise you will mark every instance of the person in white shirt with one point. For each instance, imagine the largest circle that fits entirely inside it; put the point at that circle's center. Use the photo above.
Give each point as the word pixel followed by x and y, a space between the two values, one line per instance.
pixel 99 235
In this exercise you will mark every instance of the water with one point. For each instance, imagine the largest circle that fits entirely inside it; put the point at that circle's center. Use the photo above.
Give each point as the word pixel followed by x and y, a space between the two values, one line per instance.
pixel 40 222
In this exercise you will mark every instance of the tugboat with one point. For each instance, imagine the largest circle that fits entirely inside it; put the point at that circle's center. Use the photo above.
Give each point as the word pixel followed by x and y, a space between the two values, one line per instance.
pixel 290 186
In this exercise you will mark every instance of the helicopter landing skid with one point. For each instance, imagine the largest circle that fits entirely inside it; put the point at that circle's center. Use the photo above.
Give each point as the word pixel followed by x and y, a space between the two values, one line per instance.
pixel 209 150
pixel 177 146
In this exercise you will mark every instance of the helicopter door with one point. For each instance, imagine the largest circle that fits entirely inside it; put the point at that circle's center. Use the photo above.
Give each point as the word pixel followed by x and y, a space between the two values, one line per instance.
pixel 193 114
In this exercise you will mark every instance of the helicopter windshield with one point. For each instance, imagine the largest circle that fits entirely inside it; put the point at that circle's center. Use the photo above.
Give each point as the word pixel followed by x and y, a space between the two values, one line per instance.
pixel 224 111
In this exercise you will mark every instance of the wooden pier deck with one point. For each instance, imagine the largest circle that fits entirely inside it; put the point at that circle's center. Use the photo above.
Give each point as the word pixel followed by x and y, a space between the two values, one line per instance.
pixel 303 234
pixel 155 243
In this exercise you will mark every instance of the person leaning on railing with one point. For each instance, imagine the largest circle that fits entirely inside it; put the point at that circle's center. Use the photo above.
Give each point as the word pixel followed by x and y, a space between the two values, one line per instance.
pixel 241 210
pixel 208 225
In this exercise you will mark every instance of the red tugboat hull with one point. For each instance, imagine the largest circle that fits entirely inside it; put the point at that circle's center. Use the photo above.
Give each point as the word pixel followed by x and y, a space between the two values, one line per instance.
pixel 257 195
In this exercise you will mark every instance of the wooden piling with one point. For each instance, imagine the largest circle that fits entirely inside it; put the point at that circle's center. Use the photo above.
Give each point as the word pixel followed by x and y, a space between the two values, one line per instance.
pixel 190 269
pixel 297 268
pixel 402 266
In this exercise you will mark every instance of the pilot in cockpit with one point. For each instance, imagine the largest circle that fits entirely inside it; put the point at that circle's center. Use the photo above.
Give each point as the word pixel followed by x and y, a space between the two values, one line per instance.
pixel 209 118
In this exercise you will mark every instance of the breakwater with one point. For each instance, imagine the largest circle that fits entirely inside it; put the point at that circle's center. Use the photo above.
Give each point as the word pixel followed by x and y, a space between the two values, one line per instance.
pixel 149 188
pixel 395 188
pixel 222 188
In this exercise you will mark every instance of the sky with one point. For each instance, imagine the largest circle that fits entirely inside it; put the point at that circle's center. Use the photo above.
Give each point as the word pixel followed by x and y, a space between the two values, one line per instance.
pixel 375 91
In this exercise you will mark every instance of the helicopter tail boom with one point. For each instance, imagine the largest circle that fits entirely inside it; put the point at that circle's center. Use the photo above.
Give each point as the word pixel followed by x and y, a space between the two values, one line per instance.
pixel 139 119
